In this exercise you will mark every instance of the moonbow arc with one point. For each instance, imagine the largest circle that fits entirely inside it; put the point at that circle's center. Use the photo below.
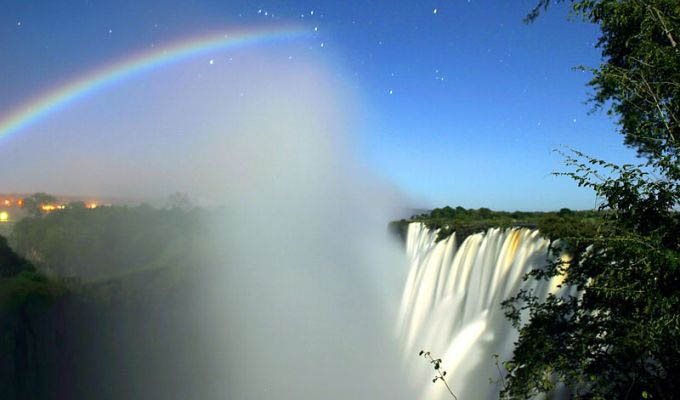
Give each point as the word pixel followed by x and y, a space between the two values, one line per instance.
pixel 51 100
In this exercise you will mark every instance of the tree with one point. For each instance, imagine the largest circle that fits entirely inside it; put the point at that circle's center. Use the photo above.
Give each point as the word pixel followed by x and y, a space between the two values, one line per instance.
pixel 614 332
pixel 179 200
pixel 106 241
pixel 639 79
pixel 564 212
pixel 76 205
pixel 32 204
pixel 10 262
pixel 484 212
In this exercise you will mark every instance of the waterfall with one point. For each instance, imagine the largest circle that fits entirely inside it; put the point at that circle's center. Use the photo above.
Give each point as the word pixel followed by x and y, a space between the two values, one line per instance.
pixel 451 305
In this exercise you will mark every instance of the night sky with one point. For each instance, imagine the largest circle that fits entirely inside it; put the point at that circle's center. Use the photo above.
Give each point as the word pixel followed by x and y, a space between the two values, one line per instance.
pixel 453 102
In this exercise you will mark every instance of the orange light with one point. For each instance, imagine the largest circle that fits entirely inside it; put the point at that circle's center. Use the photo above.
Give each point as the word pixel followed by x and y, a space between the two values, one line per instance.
pixel 91 205
pixel 20 202
pixel 8 203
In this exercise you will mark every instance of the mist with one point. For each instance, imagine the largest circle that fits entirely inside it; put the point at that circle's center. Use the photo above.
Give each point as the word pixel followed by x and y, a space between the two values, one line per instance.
pixel 306 280
pixel 293 289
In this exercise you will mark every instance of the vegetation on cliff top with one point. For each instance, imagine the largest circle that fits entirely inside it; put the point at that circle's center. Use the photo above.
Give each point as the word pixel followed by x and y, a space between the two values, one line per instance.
pixel 20 284
pixel 619 335
pixel 465 222
pixel 108 241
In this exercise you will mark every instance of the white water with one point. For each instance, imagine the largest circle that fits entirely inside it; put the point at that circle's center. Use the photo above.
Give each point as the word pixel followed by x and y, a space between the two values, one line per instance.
pixel 451 305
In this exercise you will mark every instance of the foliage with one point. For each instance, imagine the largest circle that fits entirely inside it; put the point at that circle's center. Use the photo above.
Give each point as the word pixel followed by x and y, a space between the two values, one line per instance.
pixel 28 287
pixel 10 262
pixel 77 205
pixel 640 78
pixel 618 335
pixel 33 203
pixel 614 331
pixel 465 222
pixel 179 200
pixel 106 241
pixel 440 375
pixel 20 283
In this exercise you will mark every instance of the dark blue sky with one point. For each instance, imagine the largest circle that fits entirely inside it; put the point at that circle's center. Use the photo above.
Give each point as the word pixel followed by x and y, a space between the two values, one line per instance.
pixel 461 103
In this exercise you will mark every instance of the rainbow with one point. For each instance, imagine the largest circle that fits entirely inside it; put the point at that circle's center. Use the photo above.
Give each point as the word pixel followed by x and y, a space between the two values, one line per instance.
pixel 54 99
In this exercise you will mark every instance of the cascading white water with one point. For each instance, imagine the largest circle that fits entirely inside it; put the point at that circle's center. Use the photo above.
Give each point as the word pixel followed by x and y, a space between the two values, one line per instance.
pixel 451 305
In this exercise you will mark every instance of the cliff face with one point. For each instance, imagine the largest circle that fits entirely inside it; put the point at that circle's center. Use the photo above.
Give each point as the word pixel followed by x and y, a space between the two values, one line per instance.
pixel 31 335
pixel 133 338
pixel 33 363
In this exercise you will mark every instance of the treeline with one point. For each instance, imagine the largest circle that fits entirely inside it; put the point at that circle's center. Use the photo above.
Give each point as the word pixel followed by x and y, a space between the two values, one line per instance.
pixel 465 222
pixel 107 241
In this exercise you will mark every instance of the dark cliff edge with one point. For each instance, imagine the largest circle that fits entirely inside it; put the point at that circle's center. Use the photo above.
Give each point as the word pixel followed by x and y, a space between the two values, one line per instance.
pixel 134 337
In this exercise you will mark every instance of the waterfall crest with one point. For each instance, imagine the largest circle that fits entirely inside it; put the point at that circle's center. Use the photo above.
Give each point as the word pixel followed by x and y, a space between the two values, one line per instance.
pixel 451 305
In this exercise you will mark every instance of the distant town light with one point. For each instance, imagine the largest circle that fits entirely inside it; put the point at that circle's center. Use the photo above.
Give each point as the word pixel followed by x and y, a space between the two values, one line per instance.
pixel 91 205
pixel 4 217
pixel 7 203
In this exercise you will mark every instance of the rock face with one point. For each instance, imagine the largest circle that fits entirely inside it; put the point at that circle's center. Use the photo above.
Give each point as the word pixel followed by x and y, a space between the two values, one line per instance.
pixel 132 338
